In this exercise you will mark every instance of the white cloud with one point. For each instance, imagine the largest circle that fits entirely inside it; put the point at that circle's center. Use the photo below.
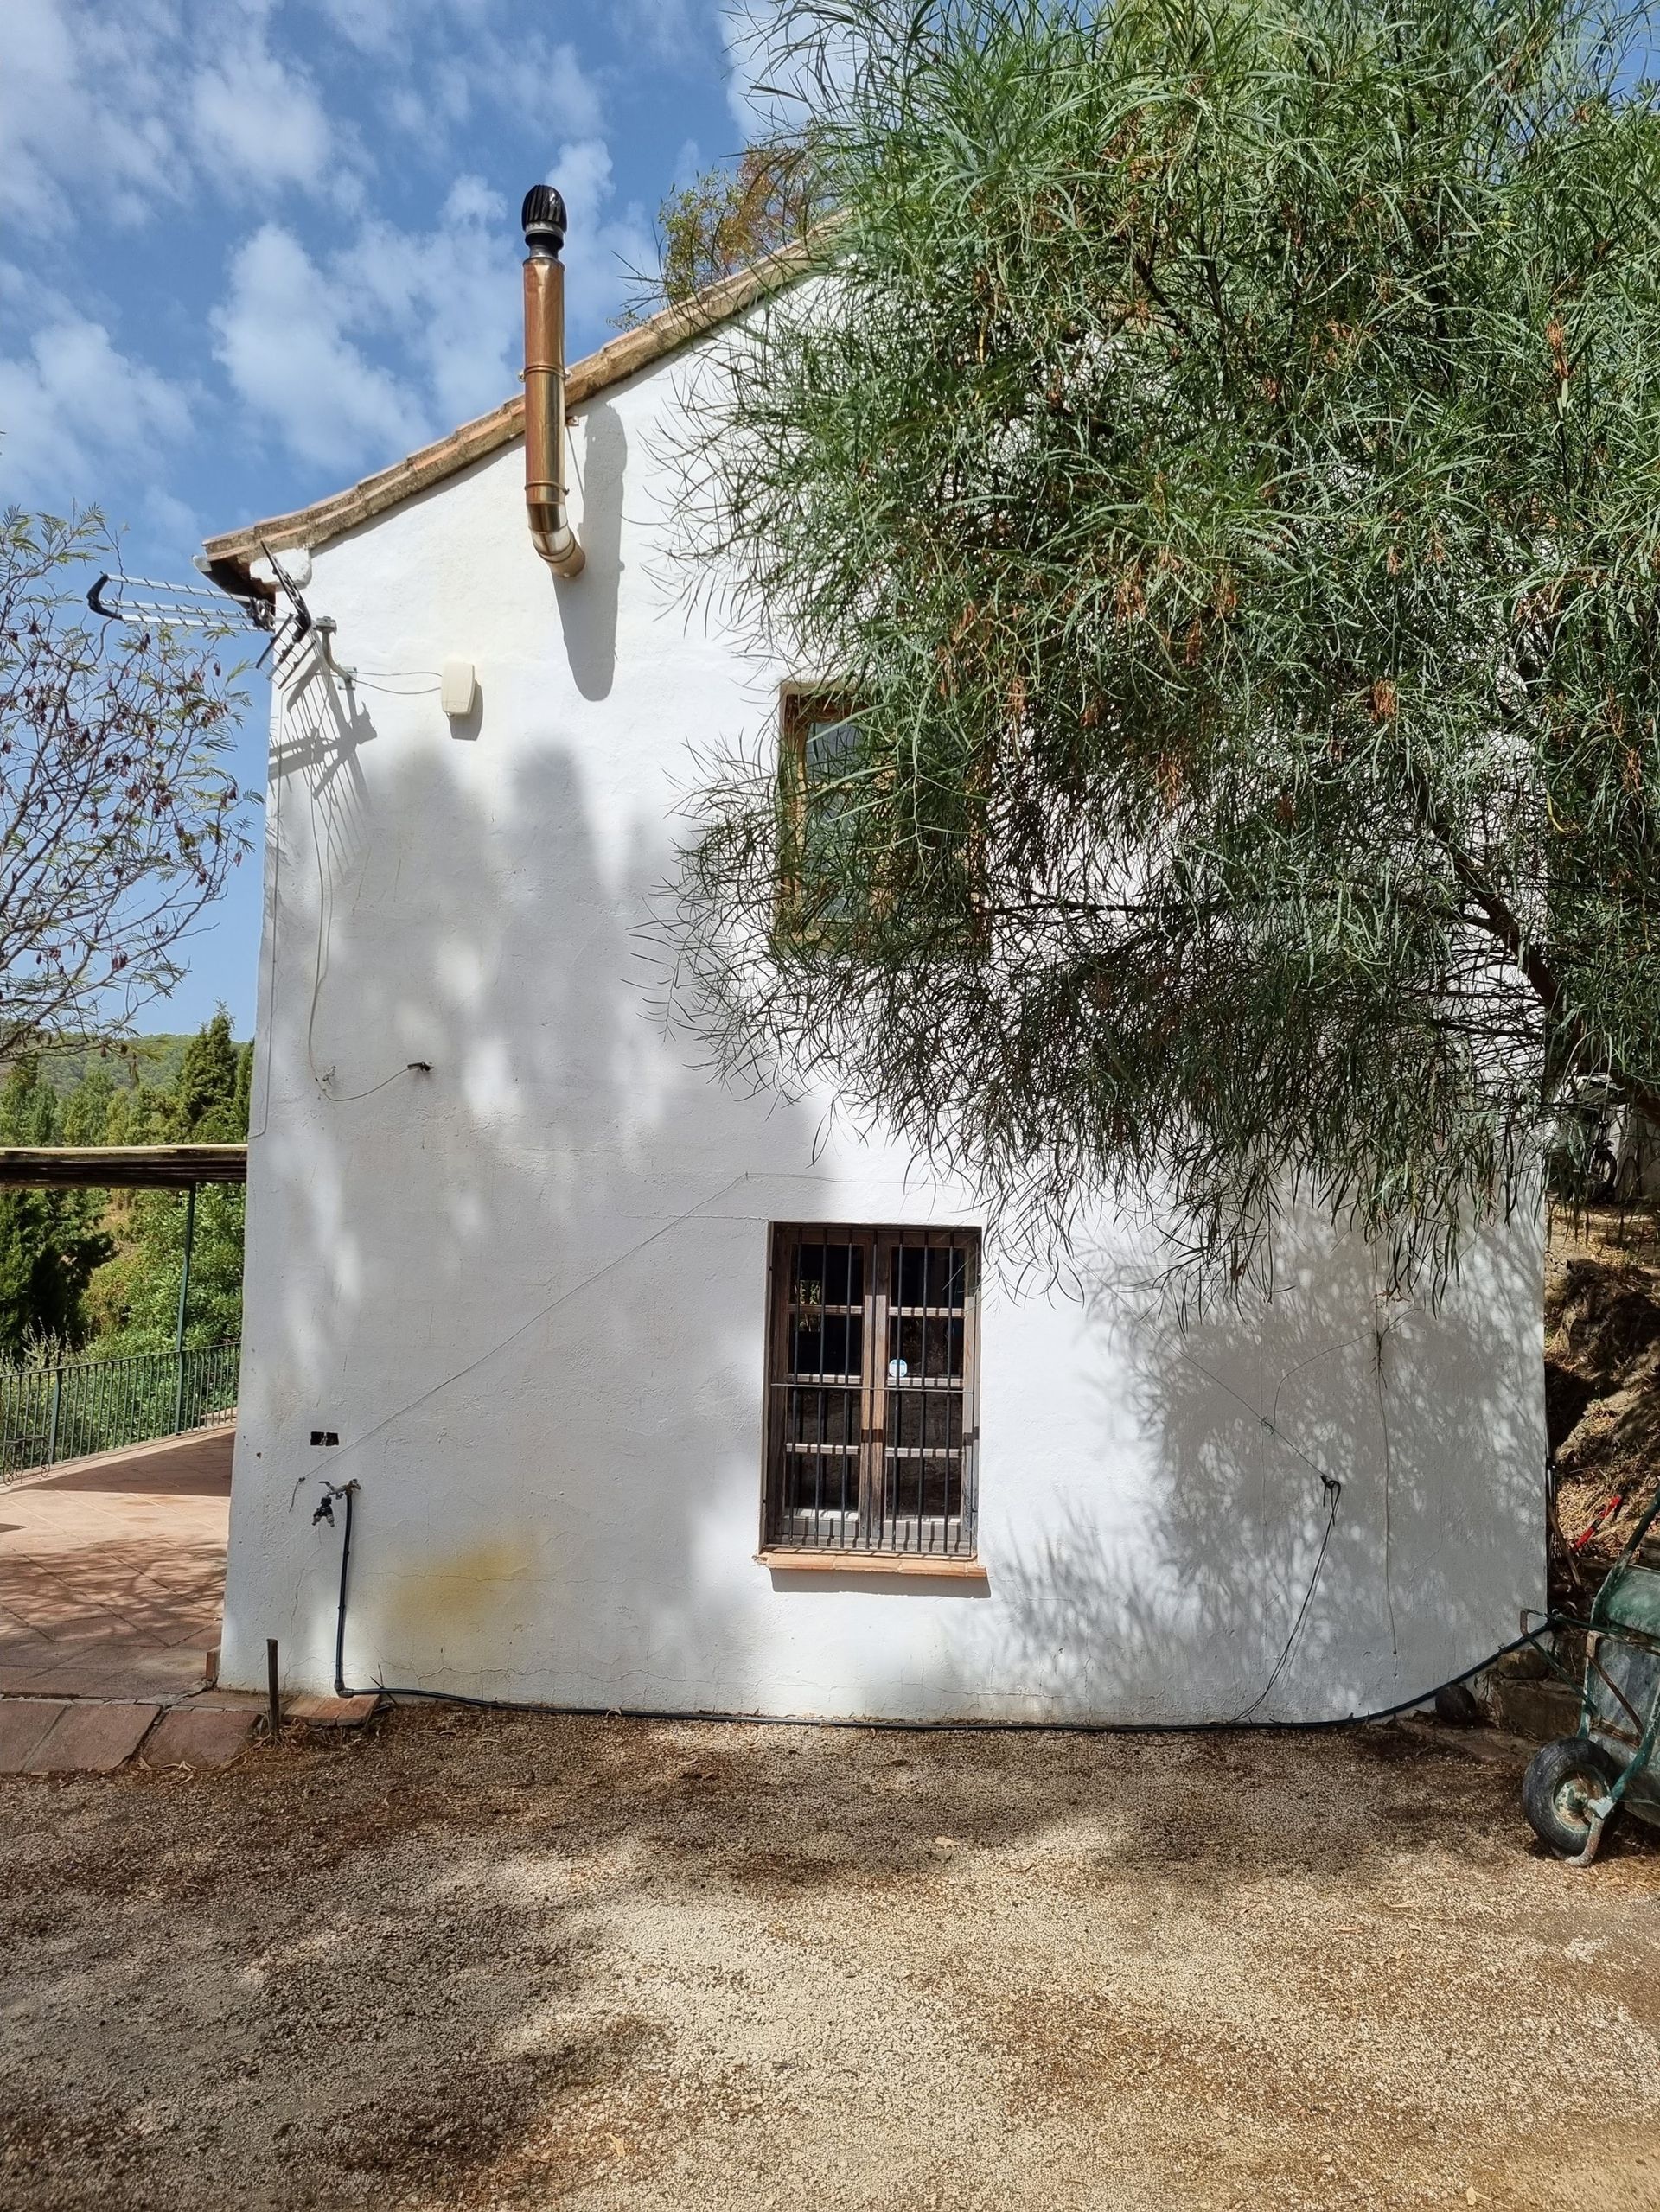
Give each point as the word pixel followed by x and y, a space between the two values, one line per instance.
pixel 774 77
pixel 747 30
pixel 306 343
pixel 449 295
pixel 258 123
pixel 602 251
pixel 544 83
pixel 347 350
pixel 441 63
pixel 83 97
pixel 77 416
pixel 144 105
pixel 169 521
pixel 283 335
pixel 671 30
pixel 369 25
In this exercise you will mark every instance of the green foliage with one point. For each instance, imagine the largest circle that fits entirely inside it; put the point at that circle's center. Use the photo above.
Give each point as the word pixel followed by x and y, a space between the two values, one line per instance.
pixel 137 1294
pixel 1222 459
pixel 727 218
pixel 152 1060
pixel 50 1240
pixel 99 1270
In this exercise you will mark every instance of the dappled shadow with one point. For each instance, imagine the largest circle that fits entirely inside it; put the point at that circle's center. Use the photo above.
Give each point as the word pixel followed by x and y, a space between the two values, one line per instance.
pixel 422 1241
pixel 112 1574
pixel 486 1957
pixel 1337 1486
pixel 509 1244
pixel 510 1247
pixel 197 1467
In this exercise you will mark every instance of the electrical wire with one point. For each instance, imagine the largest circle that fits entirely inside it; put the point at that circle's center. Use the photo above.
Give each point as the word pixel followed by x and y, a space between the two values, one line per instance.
pixel 541 1313
pixel 347 1491
pixel 1334 1492
pixel 350 1098
pixel 323 1078
pixel 1333 1489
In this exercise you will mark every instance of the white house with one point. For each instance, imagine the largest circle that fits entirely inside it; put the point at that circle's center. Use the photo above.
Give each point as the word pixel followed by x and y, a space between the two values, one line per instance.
pixel 654 1398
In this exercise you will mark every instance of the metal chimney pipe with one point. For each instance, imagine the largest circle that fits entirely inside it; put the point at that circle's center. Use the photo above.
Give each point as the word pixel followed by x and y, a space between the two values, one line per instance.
pixel 543 222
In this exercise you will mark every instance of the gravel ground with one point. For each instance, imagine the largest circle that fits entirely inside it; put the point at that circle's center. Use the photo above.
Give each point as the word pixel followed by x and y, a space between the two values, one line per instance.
pixel 467 1959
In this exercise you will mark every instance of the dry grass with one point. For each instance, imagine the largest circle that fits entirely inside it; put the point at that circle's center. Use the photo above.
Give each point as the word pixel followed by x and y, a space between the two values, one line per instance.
pixel 464 1960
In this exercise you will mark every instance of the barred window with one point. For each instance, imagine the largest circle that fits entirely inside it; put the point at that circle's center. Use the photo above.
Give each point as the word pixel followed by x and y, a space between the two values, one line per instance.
pixel 872 1427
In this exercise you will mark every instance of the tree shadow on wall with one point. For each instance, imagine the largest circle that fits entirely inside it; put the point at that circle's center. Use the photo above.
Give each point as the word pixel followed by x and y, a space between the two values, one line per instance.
pixel 497 1271
pixel 510 1272
pixel 1432 1424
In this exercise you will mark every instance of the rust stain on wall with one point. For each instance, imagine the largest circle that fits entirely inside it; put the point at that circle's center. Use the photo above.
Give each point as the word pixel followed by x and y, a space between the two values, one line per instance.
pixel 482 1585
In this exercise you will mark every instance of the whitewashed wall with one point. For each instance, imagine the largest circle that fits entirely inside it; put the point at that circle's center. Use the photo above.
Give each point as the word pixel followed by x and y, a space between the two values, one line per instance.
pixel 528 1289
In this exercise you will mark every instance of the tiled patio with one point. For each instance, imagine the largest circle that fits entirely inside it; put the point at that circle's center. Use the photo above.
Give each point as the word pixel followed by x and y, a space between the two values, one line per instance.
pixel 112 1571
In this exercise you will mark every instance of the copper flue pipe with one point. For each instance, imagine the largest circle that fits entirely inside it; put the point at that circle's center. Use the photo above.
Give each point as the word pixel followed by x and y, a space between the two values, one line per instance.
pixel 550 526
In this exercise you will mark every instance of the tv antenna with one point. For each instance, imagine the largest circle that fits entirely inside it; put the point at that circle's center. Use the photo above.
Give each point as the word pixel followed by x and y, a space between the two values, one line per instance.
pixel 151 602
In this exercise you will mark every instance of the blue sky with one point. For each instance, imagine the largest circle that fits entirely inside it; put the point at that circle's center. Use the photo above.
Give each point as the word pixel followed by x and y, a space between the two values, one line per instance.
pixel 250 252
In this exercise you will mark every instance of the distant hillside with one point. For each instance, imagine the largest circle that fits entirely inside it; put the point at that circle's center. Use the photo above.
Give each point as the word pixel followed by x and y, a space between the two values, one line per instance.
pixel 129 1060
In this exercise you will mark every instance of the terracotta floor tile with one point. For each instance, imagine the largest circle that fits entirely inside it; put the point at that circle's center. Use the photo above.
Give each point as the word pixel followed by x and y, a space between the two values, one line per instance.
pixel 192 1736
pixel 91 1739
pixel 133 1674
pixel 23 1724
pixel 16 1634
pixel 112 1571
pixel 319 1712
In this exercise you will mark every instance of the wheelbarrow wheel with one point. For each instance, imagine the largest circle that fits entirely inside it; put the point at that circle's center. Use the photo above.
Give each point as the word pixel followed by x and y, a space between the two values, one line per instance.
pixel 1557 1791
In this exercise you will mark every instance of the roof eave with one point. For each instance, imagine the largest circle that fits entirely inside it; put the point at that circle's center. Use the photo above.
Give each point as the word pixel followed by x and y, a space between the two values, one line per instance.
pixel 623 357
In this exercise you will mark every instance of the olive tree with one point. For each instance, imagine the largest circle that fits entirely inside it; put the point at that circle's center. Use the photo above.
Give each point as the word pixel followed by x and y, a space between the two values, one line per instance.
pixel 1217 458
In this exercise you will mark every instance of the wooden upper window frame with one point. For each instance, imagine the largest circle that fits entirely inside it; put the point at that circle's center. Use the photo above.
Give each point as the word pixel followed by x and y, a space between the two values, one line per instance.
pixel 803 708
pixel 872 1423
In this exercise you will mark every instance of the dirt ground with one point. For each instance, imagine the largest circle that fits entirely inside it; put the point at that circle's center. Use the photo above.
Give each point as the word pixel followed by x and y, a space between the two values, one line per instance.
pixel 464 1959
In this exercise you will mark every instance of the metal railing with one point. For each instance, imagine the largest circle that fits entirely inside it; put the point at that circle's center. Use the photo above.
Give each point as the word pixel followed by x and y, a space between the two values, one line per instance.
pixel 77 1406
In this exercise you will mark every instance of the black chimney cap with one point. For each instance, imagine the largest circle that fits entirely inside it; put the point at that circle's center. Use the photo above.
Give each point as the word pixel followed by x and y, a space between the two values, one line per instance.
pixel 542 218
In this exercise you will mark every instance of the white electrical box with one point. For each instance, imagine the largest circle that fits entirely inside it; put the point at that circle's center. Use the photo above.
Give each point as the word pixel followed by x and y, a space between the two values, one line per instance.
pixel 458 688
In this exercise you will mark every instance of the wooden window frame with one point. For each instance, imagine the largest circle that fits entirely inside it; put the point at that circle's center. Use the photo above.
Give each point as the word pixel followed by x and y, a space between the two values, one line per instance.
pixel 878 1534
pixel 802 707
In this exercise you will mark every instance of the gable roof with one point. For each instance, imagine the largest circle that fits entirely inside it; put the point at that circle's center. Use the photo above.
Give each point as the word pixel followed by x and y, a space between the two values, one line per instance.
pixel 233 551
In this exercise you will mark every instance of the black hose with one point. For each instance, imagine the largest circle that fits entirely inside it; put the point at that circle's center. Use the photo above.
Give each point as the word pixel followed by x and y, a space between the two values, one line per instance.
pixel 930 1727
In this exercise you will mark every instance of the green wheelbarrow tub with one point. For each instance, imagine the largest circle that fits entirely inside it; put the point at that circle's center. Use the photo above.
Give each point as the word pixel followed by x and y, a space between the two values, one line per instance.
pixel 1573 1788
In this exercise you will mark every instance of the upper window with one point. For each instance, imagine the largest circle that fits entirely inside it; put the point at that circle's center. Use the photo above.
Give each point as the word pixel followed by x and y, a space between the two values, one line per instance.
pixel 854 874
pixel 818 755
pixel 871 1426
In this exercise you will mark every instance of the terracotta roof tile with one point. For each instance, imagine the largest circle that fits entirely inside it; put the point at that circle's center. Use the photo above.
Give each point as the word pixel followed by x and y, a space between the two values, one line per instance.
pixel 623 357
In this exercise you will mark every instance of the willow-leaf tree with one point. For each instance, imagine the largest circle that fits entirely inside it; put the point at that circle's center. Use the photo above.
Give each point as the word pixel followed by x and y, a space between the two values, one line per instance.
pixel 727 218
pixel 1220 459
pixel 118 815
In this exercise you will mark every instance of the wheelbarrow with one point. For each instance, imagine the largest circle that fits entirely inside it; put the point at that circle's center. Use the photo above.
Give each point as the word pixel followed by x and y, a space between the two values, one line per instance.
pixel 1573 1788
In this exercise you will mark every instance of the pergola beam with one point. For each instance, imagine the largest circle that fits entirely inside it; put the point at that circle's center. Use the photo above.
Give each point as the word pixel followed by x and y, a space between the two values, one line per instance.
pixel 120 1167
